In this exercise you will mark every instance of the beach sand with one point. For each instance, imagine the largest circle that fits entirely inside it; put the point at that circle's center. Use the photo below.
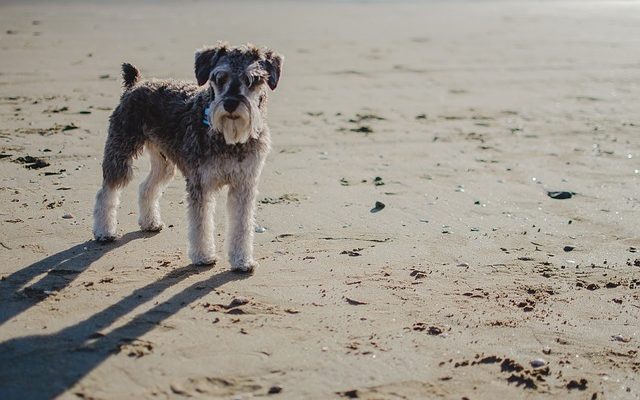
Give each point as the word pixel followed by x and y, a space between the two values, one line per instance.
pixel 459 117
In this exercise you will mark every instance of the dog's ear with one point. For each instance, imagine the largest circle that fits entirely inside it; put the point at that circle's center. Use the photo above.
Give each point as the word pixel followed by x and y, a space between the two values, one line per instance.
pixel 206 60
pixel 273 66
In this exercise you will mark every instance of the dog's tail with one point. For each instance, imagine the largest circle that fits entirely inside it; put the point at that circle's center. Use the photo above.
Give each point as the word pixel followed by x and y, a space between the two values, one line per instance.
pixel 130 75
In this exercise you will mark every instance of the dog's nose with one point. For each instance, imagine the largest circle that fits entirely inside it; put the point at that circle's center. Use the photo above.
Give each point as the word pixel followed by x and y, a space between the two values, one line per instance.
pixel 230 105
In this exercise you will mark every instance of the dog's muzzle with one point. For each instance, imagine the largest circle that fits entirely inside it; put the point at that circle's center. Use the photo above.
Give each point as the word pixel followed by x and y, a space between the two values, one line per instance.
pixel 232 117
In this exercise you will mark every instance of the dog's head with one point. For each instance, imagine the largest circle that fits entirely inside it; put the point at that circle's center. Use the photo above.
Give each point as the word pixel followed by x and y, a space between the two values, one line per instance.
pixel 238 78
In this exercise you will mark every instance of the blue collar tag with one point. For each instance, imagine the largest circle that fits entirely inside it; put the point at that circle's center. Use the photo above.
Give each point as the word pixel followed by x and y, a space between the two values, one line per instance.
pixel 206 116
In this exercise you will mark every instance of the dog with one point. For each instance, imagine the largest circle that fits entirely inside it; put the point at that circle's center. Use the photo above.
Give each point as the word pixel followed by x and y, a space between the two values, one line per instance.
pixel 215 132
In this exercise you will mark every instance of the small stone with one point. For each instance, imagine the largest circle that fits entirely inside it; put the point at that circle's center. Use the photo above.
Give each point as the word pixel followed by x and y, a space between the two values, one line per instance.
pixel 560 195
pixel 275 389
pixel 378 207
pixel 568 248
pixel 538 362
pixel 260 229
pixel 238 301
pixel 620 338
pixel 546 350
pixel 68 216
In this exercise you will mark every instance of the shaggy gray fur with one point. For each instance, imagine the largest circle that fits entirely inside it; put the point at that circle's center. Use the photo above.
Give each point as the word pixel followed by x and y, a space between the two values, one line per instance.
pixel 166 117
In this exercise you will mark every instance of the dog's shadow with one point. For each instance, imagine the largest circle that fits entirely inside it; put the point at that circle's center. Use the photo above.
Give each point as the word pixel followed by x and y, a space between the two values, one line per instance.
pixel 60 270
pixel 45 366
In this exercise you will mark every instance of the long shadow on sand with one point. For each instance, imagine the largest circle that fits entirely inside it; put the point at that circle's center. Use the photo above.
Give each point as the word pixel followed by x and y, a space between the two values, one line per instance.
pixel 61 269
pixel 45 366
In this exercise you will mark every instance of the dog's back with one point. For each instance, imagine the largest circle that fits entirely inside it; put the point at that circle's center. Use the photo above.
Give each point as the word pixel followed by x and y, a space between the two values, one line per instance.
pixel 151 105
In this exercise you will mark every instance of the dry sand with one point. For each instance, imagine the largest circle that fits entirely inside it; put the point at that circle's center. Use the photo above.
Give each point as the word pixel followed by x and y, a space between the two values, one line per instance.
pixel 467 112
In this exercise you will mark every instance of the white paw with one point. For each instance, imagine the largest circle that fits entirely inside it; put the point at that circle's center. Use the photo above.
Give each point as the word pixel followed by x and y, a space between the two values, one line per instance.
pixel 243 266
pixel 151 226
pixel 204 259
pixel 105 237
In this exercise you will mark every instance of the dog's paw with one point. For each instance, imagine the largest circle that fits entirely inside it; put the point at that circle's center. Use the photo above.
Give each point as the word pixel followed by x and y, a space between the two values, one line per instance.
pixel 204 259
pixel 152 226
pixel 105 237
pixel 244 267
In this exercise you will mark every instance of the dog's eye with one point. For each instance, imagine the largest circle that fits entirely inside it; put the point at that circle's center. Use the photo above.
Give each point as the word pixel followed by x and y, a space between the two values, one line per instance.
pixel 255 82
pixel 221 78
pixel 247 80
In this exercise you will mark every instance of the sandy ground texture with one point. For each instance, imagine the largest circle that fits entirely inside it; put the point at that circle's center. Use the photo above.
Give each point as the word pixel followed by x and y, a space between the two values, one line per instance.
pixel 471 282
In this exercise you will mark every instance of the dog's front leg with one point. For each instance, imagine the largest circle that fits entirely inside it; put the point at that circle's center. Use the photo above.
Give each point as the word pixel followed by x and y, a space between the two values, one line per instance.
pixel 241 205
pixel 201 203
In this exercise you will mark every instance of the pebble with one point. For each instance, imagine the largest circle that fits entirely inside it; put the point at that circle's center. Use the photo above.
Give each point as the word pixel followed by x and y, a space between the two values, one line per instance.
pixel 378 207
pixel 568 248
pixel 560 195
pixel 68 216
pixel 620 338
pixel 546 350
pixel 238 301
pixel 538 362
pixel 260 229
pixel 275 389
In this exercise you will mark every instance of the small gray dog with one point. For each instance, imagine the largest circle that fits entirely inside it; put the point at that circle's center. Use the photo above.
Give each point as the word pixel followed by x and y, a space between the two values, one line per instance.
pixel 215 134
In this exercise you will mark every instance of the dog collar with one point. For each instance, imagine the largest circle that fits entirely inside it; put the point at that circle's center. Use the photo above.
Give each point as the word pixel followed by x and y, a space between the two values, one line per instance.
pixel 205 120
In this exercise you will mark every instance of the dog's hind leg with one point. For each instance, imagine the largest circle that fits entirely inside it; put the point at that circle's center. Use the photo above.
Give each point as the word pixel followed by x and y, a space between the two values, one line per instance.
pixel 162 170
pixel 120 150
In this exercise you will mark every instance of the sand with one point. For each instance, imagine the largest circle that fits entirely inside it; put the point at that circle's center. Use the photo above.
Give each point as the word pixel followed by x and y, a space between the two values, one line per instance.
pixel 459 117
